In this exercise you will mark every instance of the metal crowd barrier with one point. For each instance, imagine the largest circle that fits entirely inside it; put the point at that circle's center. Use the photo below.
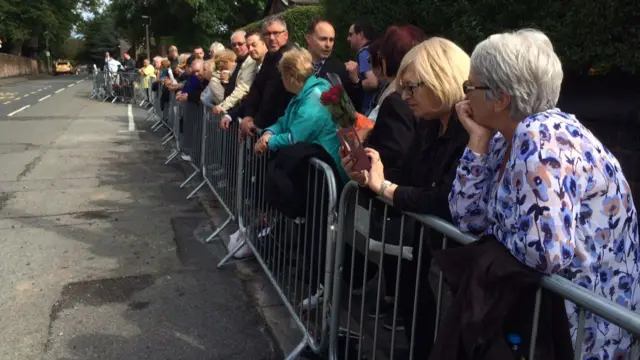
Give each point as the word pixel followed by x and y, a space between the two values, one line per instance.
pixel 118 86
pixel 419 291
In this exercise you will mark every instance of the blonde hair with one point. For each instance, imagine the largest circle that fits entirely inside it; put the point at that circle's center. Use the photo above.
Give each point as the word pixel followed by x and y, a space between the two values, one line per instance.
pixel 442 66
pixel 165 63
pixel 182 59
pixel 223 57
pixel 296 63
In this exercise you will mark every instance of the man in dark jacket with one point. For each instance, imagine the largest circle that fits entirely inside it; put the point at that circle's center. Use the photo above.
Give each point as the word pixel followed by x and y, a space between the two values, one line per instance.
pixel 268 99
pixel 320 40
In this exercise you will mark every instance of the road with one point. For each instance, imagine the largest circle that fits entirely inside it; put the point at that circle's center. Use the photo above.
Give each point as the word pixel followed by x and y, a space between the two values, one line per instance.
pixel 101 252
pixel 14 97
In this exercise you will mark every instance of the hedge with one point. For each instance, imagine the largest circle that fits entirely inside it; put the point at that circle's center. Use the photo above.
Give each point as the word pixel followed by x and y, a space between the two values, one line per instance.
pixel 600 35
pixel 297 19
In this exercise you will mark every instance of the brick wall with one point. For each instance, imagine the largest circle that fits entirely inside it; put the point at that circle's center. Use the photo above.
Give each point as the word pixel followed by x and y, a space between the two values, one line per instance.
pixel 611 110
pixel 11 65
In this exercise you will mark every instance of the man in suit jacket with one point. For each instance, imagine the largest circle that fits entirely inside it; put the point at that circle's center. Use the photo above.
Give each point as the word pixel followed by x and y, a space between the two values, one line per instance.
pixel 268 98
pixel 240 81
pixel 320 40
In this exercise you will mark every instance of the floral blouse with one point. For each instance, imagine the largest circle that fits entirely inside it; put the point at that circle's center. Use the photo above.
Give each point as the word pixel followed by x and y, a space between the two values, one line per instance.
pixel 563 206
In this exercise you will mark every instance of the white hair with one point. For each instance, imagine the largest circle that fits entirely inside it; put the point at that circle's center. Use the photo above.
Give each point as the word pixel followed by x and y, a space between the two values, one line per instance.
pixel 523 65
pixel 216 47
pixel 239 32
pixel 535 35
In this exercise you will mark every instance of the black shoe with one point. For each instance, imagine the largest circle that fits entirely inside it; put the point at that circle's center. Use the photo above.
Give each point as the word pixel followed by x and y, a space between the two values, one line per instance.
pixel 388 323
pixel 358 287
pixel 385 308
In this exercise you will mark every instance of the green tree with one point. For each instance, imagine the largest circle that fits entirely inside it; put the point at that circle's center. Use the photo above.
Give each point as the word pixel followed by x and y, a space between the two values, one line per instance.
pixel 100 36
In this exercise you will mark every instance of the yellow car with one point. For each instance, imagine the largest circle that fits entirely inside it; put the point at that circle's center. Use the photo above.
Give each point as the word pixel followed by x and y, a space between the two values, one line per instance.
pixel 63 67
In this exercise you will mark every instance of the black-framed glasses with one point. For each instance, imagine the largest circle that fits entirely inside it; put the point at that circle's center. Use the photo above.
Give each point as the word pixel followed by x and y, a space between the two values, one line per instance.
pixel 234 44
pixel 411 87
pixel 467 87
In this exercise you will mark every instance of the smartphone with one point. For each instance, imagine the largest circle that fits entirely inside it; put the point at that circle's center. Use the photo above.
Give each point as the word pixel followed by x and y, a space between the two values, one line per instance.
pixel 351 143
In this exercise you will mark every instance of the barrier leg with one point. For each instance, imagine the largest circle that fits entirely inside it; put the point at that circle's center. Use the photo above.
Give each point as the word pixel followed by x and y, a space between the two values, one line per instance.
pixel 195 191
pixel 196 172
pixel 225 259
pixel 296 352
pixel 171 157
pixel 218 230
pixel 171 136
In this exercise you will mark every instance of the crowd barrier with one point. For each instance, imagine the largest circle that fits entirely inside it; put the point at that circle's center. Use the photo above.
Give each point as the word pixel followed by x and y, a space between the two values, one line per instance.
pixel 319 263
pixel 120 86
pixel 422 285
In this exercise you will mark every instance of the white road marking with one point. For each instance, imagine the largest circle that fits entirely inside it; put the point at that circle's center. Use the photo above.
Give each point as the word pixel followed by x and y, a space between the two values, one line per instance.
pixel 79 81
pixel 17 111
pixel 70 85
pixel 33 93
pixel 8 102
pixel 39 90
pixel 132 125
pixel 57 91
pixel 48 96
pixel 25 95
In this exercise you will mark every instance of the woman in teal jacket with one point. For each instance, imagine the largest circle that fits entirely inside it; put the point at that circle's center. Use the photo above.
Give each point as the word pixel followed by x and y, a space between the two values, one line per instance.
pixel 305 119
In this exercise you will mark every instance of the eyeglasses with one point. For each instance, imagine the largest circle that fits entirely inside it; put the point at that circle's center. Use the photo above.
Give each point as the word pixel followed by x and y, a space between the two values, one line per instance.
pixel 234 44
pixel 410 87
pixel 467 88
pixel 274 33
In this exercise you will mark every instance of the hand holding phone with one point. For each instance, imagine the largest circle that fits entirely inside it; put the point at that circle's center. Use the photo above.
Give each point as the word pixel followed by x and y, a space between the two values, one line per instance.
pixel 352 147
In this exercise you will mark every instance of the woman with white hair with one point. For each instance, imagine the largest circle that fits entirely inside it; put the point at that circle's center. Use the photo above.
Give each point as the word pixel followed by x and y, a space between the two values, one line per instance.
pixel 543 184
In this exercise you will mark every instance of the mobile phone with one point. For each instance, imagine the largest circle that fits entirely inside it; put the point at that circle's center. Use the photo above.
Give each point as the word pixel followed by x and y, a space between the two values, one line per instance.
pixel 351 143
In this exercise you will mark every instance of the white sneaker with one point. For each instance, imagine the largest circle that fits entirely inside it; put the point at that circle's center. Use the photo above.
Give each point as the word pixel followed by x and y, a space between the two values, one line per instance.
pixel 376 246
pixel 185 157
pixel 312 301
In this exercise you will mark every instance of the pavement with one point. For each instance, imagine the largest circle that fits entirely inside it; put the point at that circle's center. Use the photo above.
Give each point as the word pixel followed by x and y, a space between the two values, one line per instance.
pixel 102 255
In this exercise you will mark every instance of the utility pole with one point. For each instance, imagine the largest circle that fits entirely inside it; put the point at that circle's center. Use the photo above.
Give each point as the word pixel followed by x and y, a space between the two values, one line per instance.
pixel 47 52
pixel 146 26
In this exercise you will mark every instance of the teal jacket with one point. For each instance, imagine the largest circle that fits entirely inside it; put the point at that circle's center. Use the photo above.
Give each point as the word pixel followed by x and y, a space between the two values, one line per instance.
pixel 307 120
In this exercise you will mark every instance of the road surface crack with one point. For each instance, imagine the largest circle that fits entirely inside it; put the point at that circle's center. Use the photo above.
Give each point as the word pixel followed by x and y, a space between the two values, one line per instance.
pixel 29 167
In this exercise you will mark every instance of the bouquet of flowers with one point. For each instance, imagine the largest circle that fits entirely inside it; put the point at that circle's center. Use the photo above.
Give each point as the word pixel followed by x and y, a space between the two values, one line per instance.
pixel 341 108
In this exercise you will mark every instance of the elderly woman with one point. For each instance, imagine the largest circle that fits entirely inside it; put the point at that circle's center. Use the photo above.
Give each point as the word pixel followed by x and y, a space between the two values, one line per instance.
pixel 544 185
pixel 305 119
pixel 430 80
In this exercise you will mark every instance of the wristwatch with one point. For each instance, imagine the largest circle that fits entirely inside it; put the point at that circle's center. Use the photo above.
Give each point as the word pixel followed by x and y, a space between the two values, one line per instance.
pixel 383 187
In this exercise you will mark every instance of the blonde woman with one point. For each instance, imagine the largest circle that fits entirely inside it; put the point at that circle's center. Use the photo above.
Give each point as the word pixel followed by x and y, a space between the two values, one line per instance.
pixel 430 80
pixel 305 118
pixel 224 60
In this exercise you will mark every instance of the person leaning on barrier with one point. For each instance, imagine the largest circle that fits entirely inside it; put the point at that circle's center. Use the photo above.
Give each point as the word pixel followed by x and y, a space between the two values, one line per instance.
pixel 305 120
pixel 257 51
pixel 194 85
pixel 268 98
pixel 396 137
pixel 239 81
pixel 430 80
pixel 223 61
pixel 563 205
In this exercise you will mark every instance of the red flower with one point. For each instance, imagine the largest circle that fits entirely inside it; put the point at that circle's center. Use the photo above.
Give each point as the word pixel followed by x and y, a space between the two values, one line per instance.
pixel 330 97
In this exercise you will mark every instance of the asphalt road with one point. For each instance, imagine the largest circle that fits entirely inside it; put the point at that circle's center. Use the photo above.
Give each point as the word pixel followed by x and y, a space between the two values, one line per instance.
pixel 14 97
pixel 101 254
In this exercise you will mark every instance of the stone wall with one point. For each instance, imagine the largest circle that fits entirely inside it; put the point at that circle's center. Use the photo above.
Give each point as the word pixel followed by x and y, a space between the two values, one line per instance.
pixel 11 65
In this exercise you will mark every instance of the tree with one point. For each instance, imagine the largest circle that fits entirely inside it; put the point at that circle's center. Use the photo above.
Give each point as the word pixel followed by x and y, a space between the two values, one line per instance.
pixel 23 20
pixel 100 36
